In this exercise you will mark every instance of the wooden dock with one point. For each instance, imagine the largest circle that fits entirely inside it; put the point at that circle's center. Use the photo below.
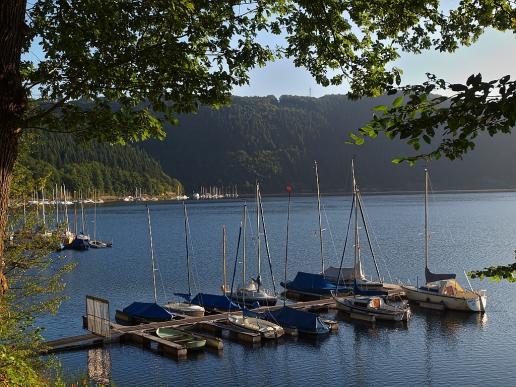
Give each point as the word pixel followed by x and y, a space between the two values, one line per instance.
pixel 210 327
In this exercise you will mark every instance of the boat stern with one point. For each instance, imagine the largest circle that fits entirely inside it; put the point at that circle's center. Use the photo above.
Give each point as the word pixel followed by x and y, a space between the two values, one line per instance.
pixel 479 302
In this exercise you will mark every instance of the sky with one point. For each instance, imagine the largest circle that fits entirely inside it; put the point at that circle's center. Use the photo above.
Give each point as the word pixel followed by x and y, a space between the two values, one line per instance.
pixel 493 55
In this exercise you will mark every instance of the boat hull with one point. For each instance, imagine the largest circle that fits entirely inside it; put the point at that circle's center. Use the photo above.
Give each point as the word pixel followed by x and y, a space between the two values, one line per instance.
pixel 253 299
pixel 348 307
pixel 267 329
pixel 475 304
pixel 185 309
pixel 181 338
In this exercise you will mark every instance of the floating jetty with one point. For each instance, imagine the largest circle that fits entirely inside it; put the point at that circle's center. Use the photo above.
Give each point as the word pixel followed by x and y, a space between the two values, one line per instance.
pixel 214 328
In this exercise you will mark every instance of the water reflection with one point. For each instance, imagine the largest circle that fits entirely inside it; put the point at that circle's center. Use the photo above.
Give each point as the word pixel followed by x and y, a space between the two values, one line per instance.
pixel 99 365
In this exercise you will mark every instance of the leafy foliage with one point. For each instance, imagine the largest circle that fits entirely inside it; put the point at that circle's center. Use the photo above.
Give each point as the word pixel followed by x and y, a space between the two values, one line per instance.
pixel 454 121
pixel 108 169
pixel 35 274
pixel 496 273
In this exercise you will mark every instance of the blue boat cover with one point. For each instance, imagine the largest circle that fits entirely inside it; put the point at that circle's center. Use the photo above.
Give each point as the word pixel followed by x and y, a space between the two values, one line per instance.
pixel 149 311
pixel 287 317
pixel 211 301
pixel 368 292
pixel 311 283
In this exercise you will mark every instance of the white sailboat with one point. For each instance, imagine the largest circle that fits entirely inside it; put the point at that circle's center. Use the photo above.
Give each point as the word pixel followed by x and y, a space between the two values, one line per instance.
pixel 268 330
pixel 442 291
pixel 186 308
pixel 366 303
pixel 253 292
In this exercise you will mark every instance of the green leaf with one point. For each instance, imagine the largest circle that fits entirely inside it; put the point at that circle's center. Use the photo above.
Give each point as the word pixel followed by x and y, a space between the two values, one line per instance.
pixel 380 108
pixel 357 139
pixel 398 101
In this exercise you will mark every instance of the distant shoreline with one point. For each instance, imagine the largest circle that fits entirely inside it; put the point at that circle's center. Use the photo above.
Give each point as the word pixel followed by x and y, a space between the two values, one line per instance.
pixel 112 200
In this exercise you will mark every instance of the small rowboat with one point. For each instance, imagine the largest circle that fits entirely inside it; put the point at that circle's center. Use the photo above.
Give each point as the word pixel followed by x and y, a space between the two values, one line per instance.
pixel 181 338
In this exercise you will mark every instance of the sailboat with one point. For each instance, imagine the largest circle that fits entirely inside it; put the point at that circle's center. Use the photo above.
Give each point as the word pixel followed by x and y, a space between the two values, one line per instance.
pixel 217 303
pixel 289 318
pixel 94 243
pixel 186 308
pixel 80 240
pixel 267 329
pixel 367 303
pixel 311 284
pixel 254 293
pixel 442 291
pixel 142 312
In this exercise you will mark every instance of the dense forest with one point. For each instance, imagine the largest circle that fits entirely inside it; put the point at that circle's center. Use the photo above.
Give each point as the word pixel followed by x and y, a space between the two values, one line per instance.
pixel 52 159
pixel 277 140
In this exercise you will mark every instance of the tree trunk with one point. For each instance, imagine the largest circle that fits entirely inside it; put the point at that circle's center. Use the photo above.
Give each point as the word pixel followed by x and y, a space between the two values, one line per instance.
pixel 13 102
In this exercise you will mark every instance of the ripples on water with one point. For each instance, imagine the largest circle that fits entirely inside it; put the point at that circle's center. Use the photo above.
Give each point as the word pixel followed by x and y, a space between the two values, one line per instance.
pixel 468 231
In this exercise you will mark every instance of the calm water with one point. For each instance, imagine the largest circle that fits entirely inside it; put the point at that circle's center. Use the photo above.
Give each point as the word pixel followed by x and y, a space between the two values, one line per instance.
pixel 468 231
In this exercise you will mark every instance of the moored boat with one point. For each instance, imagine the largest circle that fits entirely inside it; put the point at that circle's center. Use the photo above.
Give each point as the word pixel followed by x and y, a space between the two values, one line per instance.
pixel 447 294
pixel 267 329
pixel 442 291
pixel 254 294
pixel 182 338
pixel 373 306
pixel 185 308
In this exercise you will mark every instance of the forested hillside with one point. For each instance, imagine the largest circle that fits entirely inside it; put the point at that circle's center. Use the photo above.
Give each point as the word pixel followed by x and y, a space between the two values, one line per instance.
pixel 110 169
pixel 277 141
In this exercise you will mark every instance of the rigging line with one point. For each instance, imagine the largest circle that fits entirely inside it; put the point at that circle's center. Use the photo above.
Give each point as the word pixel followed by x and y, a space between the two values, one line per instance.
pixel 188 266
pixel 367 234
pixel 377 244
pixel 236 260
pixel 162 282
pixel 267 243
pixel 329 230
pixel 346 242
pixel 193 260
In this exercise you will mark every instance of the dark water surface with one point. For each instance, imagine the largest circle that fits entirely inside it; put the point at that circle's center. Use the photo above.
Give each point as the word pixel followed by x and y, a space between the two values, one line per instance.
pixel 469 231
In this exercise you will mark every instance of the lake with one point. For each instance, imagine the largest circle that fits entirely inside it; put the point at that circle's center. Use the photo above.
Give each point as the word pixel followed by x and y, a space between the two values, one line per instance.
pixel 468 231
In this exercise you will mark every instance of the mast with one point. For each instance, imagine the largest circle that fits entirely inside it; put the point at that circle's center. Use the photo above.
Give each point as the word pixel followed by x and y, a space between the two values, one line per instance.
pixel 224 256
pixel 357 246
pixel 43 207
pixel 258 277
pixel 426 218
pixel 94 218
pixel 187 252
pixel 75 221
pixel 289 190
pixel 266 242
pixel 320 220
pixel 56 201
pixel 244 243
pixel 152 257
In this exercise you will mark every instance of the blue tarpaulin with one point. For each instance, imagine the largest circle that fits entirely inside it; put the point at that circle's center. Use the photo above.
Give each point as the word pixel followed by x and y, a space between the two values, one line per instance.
pixel 210 302
pixel 287 317
pixel 312 284
pixel 149 311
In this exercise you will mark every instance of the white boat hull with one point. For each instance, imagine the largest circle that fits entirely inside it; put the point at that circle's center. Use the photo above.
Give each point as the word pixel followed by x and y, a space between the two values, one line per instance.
pixel 266 328
pixel 472 302
pixel 344 305
pixel 185 309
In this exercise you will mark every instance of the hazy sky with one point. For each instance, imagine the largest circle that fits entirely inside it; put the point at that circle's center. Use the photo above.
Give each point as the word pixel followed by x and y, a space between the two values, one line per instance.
pixel 493 55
